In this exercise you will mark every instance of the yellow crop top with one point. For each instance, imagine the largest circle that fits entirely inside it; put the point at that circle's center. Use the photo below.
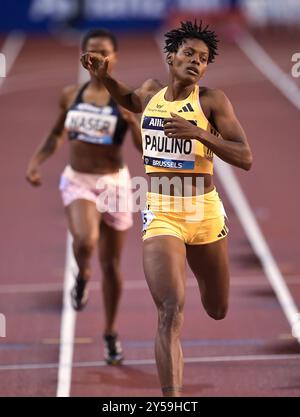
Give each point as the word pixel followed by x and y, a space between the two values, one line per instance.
pixel 163 154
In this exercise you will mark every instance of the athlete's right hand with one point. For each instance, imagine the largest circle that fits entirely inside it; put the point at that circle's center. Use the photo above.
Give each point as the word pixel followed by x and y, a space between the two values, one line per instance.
pixel 95 63
pixel 33 176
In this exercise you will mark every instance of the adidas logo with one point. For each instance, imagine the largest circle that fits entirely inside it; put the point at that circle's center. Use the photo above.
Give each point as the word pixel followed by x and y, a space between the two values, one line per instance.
pixel 224 231
pixel 186 108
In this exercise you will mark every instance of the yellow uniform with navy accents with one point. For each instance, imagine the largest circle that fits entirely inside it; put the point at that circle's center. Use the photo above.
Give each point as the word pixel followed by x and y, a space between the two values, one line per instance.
pixel 199 220
pixel 196 220
pixel 163 154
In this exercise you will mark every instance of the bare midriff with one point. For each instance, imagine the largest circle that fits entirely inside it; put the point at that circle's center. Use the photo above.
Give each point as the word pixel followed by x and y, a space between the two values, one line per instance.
pixel 95 159
pixel 182 184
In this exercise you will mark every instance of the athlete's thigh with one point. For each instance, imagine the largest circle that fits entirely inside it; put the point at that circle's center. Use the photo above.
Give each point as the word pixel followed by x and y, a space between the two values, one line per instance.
pixel 164 266
pixel 83 219
pixel 111 242
pixel 210 266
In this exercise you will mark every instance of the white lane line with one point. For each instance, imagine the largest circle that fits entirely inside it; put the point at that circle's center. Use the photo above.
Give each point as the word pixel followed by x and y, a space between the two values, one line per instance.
pixel 67 330
pixel 204 359
pixel 246 281
pixel 68 321
pixel 28 366
pixel 11 49
pixel 143 362
pixel 265 64
pixel 242 208
pixel 258 242
pixel 280 80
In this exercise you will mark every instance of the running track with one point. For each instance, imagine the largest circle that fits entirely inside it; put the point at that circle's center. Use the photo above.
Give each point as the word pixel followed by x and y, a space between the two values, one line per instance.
pixel 251 352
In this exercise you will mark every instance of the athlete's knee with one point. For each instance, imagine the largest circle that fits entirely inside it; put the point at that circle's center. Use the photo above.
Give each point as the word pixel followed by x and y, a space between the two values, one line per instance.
pixel 84 245
pixel 110 266
pixel 170 315
pixel 217 313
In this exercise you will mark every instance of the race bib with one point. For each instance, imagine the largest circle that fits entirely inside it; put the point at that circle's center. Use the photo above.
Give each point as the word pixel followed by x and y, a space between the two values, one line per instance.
pixel 162 151
pixel 92 128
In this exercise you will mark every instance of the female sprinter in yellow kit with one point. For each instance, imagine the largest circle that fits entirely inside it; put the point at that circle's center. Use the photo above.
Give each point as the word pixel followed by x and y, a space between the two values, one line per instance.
pixel 182 125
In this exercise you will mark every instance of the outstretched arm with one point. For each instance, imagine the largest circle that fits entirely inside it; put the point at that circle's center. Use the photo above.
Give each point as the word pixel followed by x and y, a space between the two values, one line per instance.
pixel 51 143
pixel 132 100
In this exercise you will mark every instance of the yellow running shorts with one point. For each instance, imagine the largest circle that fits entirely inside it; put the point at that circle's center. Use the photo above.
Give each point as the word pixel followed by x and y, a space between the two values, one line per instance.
pixel 197 220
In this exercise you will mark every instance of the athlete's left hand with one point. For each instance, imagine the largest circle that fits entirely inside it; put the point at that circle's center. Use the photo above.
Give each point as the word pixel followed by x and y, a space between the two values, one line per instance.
pixel 180 128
